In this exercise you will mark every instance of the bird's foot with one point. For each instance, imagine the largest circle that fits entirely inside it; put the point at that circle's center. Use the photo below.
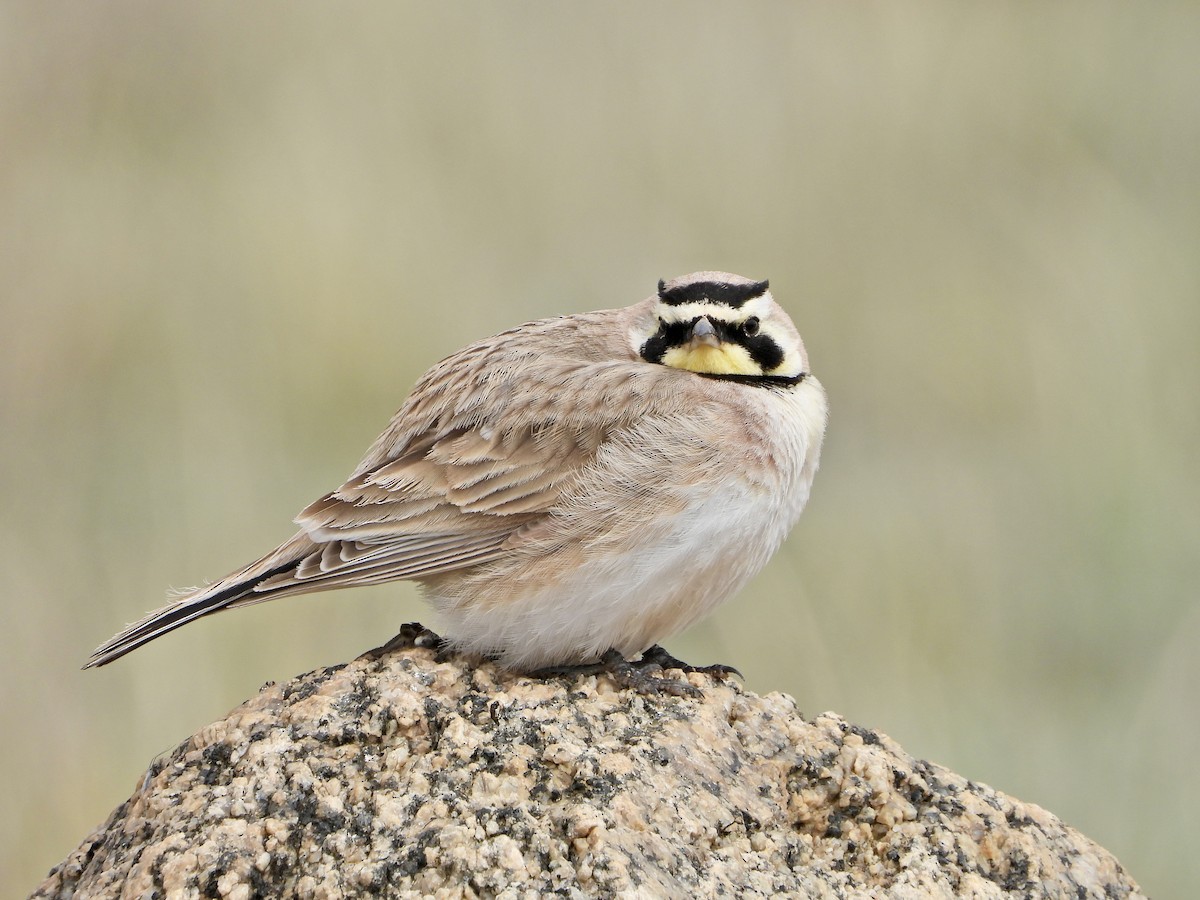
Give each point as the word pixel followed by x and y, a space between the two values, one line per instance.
pixel 657 656
pixel 412 634
pixel 626 674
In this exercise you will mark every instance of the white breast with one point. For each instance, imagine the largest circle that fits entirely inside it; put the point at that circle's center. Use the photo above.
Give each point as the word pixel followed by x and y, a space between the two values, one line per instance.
pixel 680 566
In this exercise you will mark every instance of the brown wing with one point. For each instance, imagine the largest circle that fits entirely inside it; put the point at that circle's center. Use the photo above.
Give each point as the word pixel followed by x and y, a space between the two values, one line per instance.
pixel 444 503
pixel 485 444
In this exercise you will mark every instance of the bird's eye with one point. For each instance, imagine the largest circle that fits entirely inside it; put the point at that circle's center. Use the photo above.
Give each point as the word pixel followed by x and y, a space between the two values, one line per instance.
pixel 750 326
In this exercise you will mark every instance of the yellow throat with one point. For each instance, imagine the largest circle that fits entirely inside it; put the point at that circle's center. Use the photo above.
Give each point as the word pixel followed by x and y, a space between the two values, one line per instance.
pixel 723 359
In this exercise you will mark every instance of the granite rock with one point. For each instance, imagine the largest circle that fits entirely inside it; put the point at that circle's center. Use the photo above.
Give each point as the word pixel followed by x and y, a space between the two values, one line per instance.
pixel 402 775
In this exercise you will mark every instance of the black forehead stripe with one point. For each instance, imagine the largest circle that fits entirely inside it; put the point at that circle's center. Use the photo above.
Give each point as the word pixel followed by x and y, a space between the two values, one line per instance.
pixel 733 295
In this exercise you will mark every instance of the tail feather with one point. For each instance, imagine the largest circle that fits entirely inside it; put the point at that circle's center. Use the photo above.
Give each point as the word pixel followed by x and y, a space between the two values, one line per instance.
pixel 172 616
pixel 299 566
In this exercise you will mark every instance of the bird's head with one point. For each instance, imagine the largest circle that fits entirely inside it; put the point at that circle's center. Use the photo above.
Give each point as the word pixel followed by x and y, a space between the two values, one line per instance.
pixel 722 326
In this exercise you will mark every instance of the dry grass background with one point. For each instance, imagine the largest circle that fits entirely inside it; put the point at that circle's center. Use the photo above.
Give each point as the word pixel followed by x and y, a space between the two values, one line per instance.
pixel 231 237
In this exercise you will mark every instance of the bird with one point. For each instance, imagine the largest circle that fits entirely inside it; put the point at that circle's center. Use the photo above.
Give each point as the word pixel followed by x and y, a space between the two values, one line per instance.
pixel 572 491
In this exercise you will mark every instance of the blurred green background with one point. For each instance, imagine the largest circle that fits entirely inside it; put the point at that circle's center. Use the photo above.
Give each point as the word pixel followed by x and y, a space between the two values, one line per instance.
pixel 232 236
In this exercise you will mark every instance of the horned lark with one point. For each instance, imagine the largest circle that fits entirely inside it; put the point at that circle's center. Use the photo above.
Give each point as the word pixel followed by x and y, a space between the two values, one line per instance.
pixel 572 489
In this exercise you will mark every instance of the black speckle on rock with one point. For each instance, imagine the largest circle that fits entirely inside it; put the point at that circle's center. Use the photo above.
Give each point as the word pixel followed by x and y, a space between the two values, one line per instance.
pixel 208 887
pixel 415 803
pixel 810 770
pixel 918 795
pixel 306 685
pixel 412 859
pixel 434 721
pixel 214 769
pixel 492 759
pixel 321 823
pixel 951 807
pixel 869 737
pixel 833 827
pixel 634 735
pixel 508 820
pixel 532 736
pixel 259 734
pixel 263 884
pixel 357 702
pixel 476 707
pixel 156 874
pixel 362 823
pixel 1017 878
pixel 1017 821
pixel 602 787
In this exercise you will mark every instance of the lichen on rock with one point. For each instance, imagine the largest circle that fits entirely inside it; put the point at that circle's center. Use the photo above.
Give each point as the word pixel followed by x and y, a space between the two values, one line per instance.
pixel 407 776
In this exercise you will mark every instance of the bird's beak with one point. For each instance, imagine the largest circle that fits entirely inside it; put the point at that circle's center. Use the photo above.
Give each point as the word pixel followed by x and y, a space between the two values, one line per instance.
pixel 704 334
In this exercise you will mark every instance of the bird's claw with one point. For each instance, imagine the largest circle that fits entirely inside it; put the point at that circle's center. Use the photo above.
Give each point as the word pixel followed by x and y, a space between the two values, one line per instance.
pixel 412 634
pixel 657 656
pixel 634 676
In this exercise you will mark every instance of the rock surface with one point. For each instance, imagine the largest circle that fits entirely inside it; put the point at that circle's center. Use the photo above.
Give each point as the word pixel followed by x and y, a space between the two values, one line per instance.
pixel 400 775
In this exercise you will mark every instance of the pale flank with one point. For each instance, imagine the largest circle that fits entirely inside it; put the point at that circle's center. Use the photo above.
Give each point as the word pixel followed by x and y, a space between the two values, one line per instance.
pixel 572 486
